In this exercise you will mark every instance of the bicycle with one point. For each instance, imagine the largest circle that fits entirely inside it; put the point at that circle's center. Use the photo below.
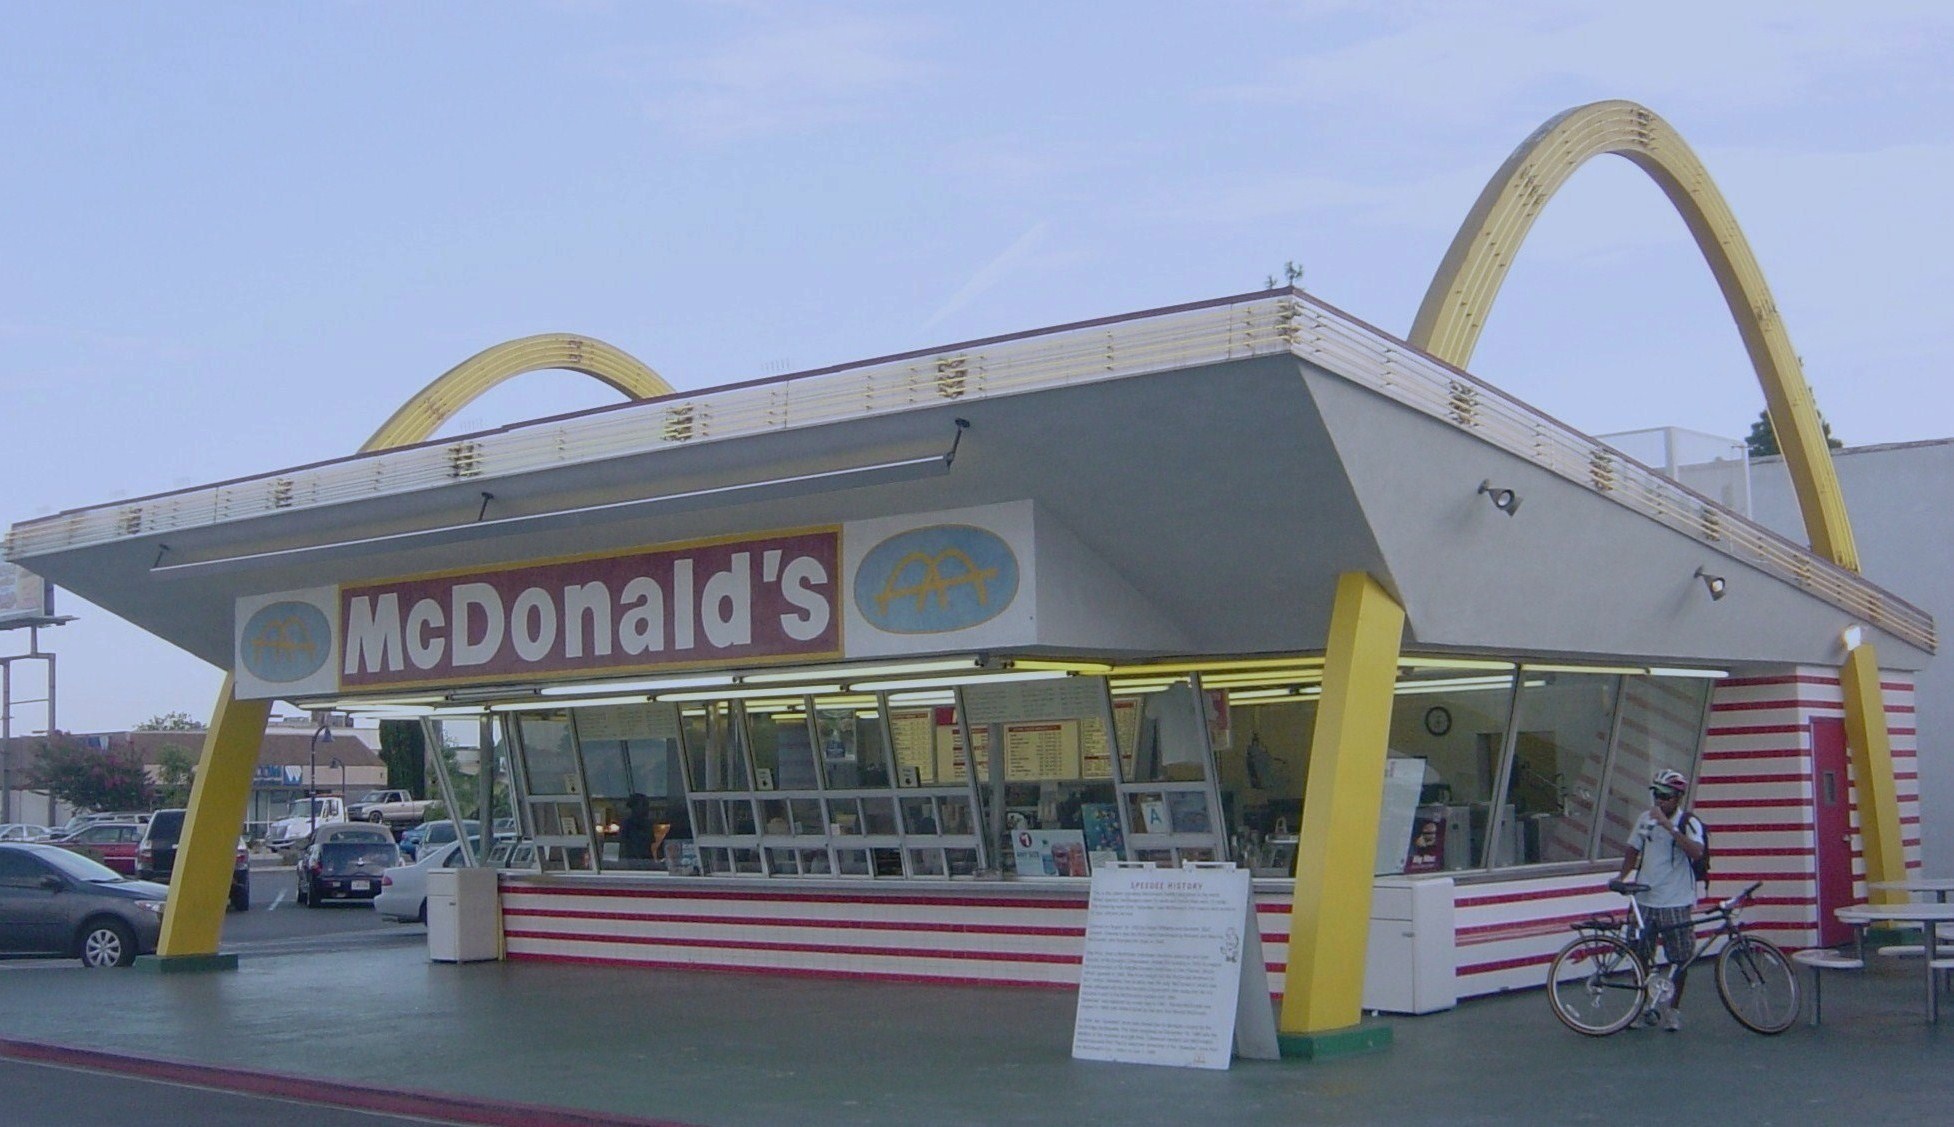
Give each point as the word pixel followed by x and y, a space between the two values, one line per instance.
pixel 1599 985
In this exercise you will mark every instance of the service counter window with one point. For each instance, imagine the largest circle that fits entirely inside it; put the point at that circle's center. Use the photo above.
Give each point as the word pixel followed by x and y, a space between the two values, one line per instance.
pixel 631 768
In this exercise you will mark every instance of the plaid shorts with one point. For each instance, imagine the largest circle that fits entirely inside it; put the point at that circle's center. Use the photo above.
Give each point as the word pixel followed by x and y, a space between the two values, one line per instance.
pixel 1671 925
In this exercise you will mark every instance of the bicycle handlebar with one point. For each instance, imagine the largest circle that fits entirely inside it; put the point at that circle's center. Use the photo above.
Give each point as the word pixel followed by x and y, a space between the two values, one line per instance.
pixel 1727 905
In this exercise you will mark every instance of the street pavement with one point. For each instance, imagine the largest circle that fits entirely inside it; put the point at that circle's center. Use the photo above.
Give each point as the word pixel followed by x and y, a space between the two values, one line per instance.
pixel 727 1050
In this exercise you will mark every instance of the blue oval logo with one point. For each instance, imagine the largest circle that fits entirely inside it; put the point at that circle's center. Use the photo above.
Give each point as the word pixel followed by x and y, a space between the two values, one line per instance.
pixel 285 642
pixel 936 579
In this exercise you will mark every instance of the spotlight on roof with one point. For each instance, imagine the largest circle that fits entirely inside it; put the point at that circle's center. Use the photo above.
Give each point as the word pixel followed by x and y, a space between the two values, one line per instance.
pixel 1718 586
pixel 1505 500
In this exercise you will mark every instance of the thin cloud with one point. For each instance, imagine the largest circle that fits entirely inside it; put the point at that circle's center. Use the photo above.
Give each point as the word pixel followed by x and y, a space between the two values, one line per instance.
pixel 780 78
pixel 991 273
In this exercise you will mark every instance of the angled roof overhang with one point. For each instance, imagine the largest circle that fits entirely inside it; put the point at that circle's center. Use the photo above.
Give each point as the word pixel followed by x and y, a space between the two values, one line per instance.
pixel 1226 461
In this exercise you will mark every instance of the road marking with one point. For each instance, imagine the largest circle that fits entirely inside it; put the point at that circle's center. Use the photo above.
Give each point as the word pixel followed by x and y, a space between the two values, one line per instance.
pixel 275 902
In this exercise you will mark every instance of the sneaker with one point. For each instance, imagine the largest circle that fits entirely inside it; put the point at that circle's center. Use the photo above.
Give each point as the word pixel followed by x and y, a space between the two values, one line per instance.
pixel 1674 1022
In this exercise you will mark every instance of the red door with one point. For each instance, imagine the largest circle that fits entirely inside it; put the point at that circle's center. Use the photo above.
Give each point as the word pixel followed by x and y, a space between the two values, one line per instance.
pixel 1833 828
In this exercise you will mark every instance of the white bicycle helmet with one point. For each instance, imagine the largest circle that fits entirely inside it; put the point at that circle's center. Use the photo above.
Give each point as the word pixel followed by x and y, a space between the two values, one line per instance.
pixel 1668 779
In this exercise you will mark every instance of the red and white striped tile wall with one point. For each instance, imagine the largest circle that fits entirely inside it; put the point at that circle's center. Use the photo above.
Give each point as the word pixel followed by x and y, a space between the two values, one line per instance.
pixel 1755 794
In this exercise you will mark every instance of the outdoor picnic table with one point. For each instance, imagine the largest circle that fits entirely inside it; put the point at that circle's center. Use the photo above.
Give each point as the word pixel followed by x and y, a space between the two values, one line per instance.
pixel 1927 916
pixel 1939 887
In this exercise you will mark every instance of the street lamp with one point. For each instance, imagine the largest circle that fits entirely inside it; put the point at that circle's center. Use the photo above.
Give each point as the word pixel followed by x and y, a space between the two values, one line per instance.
pixel 322 735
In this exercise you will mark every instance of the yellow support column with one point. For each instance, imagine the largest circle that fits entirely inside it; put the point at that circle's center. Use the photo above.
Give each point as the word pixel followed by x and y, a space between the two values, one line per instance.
pixel 193 919
pixel 1872 766
pixel 1329 925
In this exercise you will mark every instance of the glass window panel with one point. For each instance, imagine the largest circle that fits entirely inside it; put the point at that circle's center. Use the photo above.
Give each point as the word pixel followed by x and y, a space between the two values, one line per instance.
pixel 852 862
pixel 793 750
pixel 777 823
pixel 815 861
pixel 1661 728
pixel 746 861
pixel 1262 773
pixel 1454 720
pixel 784 862
pixel 872 750
pixel 549 756
pixel 878 816
pixel 739 817
pixel 837 733
pixel 927 863
pixel 725 752
pixel 710 819
pixel 804 816
pixel 919 815
pixel 957 816
pixel 1564 722
pixel 844 816
pixel 962 862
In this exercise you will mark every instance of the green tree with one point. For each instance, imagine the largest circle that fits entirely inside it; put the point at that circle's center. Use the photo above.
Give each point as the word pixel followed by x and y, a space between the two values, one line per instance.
pixel 176 770
pixel 88 779
pixel 178 721
pixel 404 750
pixel 1763 438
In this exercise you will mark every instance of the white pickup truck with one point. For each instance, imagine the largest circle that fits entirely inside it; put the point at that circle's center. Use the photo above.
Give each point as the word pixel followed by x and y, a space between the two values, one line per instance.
pixel 396 808
pixel 293 831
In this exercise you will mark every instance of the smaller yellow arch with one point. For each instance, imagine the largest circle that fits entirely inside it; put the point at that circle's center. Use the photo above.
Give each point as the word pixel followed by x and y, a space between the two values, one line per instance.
pixel 462 384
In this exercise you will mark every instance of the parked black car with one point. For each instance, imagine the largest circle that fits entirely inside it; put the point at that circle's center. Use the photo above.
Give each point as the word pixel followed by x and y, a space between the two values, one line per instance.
pixel 156 856
pixel 346 861
pixel 54 901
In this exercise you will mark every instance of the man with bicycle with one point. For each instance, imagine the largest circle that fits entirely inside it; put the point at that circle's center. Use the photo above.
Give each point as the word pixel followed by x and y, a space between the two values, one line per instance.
pixel 1665 844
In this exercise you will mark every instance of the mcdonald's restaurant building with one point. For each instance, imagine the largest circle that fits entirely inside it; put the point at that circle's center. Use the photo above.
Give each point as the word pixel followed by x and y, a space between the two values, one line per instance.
pixel 898 650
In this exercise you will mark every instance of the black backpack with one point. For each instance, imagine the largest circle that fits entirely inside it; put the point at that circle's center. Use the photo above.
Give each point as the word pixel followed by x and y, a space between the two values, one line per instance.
pixel 1701 865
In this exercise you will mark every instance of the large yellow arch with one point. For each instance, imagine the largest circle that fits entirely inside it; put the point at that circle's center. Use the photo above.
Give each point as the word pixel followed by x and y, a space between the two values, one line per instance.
pixel 1468 279
pixel 464 383
pixel 1461 295
pixel 194 915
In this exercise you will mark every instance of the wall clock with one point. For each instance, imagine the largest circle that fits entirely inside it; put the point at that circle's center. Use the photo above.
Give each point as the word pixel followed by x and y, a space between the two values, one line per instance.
pixel 1438 720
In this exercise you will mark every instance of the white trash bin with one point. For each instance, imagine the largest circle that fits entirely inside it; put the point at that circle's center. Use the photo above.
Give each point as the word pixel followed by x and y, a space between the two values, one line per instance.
pixel 464 916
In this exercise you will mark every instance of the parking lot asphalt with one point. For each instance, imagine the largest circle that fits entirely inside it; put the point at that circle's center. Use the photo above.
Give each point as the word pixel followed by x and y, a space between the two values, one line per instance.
pixel 379 1028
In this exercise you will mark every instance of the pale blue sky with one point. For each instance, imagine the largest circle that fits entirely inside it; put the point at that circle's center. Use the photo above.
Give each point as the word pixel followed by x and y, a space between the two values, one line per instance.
pixel 235 237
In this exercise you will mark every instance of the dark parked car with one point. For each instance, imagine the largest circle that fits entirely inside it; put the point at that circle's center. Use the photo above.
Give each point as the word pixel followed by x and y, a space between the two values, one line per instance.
pixel 346 861
pixel 54 901
pixel 156 856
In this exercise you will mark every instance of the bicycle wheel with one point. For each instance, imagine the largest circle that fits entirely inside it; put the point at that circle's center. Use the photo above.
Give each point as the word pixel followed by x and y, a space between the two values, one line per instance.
pixel 1758 985
pixel 1595 985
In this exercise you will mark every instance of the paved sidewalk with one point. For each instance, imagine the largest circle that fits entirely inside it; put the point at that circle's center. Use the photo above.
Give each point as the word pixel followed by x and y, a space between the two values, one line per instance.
pixel 735 1049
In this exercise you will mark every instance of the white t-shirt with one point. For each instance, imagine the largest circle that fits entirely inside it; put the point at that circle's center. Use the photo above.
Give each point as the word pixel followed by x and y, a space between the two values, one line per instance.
pixel 1665 867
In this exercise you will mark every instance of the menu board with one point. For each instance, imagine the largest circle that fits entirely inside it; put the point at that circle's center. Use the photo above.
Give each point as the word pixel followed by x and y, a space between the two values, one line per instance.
pixel 619 722
pixel 914 734
pixel 1041 751
pixel 1060 698
pixel 949 753
pixel 1095 760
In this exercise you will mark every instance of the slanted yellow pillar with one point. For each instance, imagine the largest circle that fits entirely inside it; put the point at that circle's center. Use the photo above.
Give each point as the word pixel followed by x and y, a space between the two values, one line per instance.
pixel 1872 766
pixel 1329 925
pixel 193 919
pixel 194 916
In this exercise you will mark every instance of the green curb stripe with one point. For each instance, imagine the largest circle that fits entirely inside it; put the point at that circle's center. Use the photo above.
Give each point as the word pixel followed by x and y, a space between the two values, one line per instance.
pixel 1336 1043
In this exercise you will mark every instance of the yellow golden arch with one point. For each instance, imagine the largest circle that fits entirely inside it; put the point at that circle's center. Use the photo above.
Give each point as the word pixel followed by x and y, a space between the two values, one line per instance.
pixel 1328 932
pixel 1468 279
pixel 194 917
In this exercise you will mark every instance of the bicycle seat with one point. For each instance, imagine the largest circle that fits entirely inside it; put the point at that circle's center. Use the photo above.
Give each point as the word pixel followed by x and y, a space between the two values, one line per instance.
pixel 1598 923
pixel 1627 887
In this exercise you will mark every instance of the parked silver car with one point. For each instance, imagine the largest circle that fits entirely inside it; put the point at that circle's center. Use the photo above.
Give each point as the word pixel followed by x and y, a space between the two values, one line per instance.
pixel 54 901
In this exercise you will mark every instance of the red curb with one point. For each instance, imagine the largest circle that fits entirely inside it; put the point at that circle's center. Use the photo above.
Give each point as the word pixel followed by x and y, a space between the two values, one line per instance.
pixel 355 1097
